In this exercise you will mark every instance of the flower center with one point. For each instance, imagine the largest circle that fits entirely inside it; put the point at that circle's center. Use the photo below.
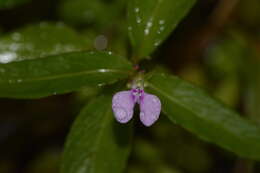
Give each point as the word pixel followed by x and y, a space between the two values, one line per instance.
pixel 137 94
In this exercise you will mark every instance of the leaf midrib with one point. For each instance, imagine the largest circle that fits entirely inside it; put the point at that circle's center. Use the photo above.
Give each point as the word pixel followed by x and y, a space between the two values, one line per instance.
pixel 53 77
pixel 185 107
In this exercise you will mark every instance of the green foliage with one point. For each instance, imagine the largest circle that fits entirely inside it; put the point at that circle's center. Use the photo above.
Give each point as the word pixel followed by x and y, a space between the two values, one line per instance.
pixel 11 3
pixel 60 74
pixel 40 40
pixel 193 109
pixel 96 143
pixel 151 21
pixel 187 152
pixel 51 58
pixel 225 57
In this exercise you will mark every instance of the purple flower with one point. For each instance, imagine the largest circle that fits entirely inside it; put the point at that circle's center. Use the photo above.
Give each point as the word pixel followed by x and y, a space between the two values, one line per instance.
pixel 123 106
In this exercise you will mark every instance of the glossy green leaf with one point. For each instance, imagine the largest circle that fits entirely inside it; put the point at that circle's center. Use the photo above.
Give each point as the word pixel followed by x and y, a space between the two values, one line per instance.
pixel 11 3
pixel 39 41
pixel 60 74
pixel 151 21
pixel 97 143
pixel 193 109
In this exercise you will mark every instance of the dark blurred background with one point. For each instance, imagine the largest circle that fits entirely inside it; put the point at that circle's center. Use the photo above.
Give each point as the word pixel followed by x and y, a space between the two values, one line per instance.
pixel 217 46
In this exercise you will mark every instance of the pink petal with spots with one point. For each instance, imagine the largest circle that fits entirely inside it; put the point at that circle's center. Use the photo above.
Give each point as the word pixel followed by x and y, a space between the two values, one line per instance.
pixel 150 107
pixel 123 105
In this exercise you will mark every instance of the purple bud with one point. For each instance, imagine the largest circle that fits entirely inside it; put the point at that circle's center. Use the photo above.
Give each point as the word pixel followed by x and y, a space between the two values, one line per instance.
pixel 150 107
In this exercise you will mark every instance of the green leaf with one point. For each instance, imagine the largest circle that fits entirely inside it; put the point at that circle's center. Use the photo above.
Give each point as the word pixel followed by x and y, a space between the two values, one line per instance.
pixel 60 74
pixel 97 143
pixel 151 21
pixel 38 41
pixel 11 3
pixel 193 109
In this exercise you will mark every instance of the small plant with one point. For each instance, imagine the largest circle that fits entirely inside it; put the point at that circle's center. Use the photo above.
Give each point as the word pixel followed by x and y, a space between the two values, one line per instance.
pixel 51 59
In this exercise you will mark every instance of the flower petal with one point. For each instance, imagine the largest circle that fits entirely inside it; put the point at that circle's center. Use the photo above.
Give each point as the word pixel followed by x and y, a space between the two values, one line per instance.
pixel 150 107
pixel 123 105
